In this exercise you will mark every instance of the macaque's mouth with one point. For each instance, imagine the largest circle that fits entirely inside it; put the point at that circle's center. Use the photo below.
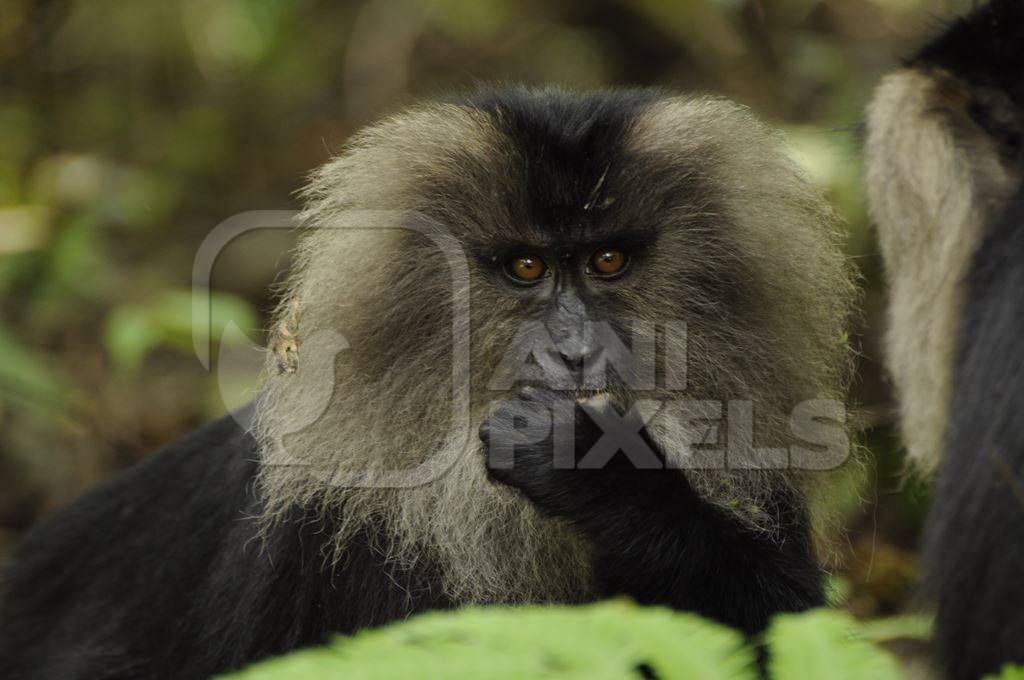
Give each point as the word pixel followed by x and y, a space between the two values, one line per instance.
pixel 579 394
pixel 586 394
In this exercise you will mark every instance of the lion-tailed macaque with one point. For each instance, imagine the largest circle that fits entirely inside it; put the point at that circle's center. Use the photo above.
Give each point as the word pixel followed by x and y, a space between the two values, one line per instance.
pixel 538 346
pixel 944 168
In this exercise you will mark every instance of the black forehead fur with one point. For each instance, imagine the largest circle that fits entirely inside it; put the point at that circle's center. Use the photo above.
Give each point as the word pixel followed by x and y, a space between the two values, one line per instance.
pixel 570 146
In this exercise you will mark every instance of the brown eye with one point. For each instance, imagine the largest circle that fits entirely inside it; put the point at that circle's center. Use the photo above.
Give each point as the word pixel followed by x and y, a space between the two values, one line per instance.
pixel 526 268
pixel 608 261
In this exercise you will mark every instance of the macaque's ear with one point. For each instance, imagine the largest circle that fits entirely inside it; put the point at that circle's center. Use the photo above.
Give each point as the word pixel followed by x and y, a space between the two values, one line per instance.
pixel 943 159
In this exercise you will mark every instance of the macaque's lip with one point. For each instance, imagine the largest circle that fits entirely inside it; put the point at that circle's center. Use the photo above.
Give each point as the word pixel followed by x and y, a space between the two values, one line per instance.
pixel 580 394
pixel 577 393
pixel 587 395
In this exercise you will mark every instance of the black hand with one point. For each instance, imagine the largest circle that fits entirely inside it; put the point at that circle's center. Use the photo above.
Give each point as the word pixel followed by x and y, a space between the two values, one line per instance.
pixel 560 470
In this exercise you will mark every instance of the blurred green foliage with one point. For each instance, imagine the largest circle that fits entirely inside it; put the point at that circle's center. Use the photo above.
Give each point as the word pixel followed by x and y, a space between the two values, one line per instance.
pixel 609 640
pixel 128 131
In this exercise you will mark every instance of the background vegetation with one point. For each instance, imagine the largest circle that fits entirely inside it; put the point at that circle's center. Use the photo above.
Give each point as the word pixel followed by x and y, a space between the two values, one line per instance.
pixel 128 130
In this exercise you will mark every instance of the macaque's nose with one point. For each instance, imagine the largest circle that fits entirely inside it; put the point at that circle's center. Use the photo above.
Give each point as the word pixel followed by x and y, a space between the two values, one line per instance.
pixel 573 336
pixel 576 348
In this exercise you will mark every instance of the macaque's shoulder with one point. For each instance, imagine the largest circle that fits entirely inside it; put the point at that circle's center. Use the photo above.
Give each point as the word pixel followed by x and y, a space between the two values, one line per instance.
pixel 137 544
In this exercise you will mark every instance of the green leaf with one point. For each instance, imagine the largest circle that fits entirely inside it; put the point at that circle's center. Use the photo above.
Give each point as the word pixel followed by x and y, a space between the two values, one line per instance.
pixel 825 645
pixel 607 640
pixel 173 313
pixel 133 331
pixel 25 375
pixel 1009 673
pixel 130 335
pixel 905 627
pixel 78 267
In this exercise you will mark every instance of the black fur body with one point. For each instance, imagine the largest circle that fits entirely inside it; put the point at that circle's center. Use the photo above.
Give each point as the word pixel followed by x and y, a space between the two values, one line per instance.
pixel 160 573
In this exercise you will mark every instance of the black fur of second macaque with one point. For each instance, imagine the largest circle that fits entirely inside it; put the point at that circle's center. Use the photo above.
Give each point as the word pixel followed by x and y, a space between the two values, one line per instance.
pixel 985 50
pixel 974 543
pixel 975 536
pixel 161 573
pixel 654 539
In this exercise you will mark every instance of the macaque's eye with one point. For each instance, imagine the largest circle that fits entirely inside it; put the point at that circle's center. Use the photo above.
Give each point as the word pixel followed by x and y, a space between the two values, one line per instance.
pixel 527 268
pixel 608 262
